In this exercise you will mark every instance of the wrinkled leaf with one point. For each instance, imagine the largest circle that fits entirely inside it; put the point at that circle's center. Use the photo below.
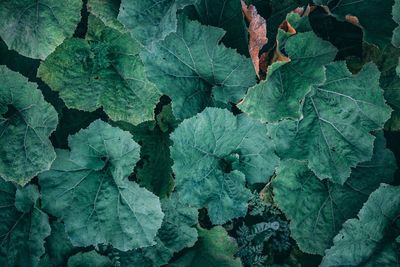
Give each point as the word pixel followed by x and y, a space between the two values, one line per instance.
pixel 214 154
pixel 339 115
pixel 396 18
pixel 322 206
pixel 104 70
pixel 89 190
pixel 89 259
pixel 195 71
pixel 281 94
pixel 368 239
pixel 35 28
pixel 26 122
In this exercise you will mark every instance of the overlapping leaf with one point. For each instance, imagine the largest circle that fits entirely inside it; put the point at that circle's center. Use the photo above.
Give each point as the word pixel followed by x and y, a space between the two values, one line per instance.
pixel 150 21
pixel 281 94
pixel 339 115
pixel 21 221
pixel 104 70
pixel 89 259
pixel 214 154
pixel 396 18
pixel 107 11
pixel 89 190
pixel 26 121
pixel 322 206
pixel 35 28
pixel 370 238
pixel 195 71
pixel 176 233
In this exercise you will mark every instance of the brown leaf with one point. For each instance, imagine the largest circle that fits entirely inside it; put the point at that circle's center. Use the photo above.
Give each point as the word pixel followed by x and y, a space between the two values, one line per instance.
pixel 257 32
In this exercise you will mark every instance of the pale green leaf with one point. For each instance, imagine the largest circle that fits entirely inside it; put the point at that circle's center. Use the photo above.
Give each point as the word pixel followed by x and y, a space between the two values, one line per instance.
pixel 26 122
pixel 322 206
pixel 282 93
pixel 34 28
pixel 103 70
pixel 192 68
pixel 368 239
pixel 334 134
pixel 88 188
pixel 214 154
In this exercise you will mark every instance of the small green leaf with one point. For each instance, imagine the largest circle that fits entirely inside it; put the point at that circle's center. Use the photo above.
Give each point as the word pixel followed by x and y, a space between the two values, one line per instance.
pixel 35 28
pixel 26 122
pixel 192 68
pixel 214 154
pixel 88 188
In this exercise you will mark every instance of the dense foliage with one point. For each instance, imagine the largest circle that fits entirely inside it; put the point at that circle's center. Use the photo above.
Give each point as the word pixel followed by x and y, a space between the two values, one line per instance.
pixel 199 133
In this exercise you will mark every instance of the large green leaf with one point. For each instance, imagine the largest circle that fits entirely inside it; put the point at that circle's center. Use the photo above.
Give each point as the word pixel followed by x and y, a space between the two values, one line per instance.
pixel 396 18
pixel 34 28
pixel 103 70
pixel 374 17
pixel 214 154
pixel 89 259
pixel 88 188
pixel 176 233
pixel 26 122
pixel 334 134
pixel 213 249
pixel 322 206
pixel 369 239
pixel 195 71
pixel 225 14
pixel 17 226
pixel 282 93
pixel 150 21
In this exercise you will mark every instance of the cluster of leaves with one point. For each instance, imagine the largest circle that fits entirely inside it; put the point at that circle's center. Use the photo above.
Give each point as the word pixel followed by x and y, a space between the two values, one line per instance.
pixel 199 133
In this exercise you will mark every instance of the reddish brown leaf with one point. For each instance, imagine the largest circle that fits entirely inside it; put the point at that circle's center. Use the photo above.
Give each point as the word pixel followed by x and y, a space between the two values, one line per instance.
pixel 257 32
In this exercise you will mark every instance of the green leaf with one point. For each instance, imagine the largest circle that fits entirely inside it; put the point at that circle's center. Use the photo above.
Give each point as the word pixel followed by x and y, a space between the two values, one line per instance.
pixel 192 68
pixel 396 18
pixel 334 134
pixel 89 259
pixel 26 122
pixel 26 197
pixel 176 233
pixel 104 70
pixel 154 170
pixel 35 28
pixel 282 93
pixel 17 228
pixel 58 247
pixel 107 11
pixel 367 240
pixel 322 206
pixel 368 13
pixel 88 188
pixel 225 14
pixel 214 249
pixel 150 21
pixel 214 154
